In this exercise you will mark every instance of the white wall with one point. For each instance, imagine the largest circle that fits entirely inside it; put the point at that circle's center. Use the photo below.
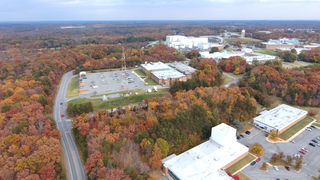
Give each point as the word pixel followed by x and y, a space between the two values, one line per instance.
pixel 224 135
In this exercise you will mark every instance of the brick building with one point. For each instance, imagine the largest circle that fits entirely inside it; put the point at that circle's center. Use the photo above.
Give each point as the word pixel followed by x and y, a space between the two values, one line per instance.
pixel 167 74
pixel 280 118
pixel 209 159
pixel 276 46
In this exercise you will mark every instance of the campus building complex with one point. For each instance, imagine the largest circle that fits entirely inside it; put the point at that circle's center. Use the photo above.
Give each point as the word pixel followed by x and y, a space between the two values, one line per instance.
pixel 167 74
pixel 280 118
pixel 208 160
pixel 178 41
pixel 280 43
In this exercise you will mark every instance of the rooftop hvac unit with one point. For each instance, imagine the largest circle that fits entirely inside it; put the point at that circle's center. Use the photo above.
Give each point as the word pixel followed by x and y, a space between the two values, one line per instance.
pixel 200 156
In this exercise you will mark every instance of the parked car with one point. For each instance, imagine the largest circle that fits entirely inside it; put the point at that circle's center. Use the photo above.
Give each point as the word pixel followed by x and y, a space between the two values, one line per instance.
pixel 258 159
pixel 60 103
pixel 266 135
pixel 302 152
pixel 308 129
pixel 318 138
pixel 253 163
pixel 241 136
pixel 315 141
pixel 318 145
pixel 296 155
pixel 288 168
pixel 312 126
pixel 276 168
pixel 293 141
pixel 62 115
pixel 305 149
pixel 248 132
pixel 311 144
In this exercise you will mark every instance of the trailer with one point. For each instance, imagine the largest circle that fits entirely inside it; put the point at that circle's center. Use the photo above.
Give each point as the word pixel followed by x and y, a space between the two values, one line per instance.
pixel 83 90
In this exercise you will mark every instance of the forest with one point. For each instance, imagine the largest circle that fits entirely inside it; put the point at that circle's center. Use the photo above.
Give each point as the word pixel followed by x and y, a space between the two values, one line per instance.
pixel 132 142
pixel 294 86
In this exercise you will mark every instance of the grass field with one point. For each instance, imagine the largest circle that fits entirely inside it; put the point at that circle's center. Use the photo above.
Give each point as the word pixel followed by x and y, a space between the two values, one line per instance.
pixel 121 101
pixel 293 65
pixel 243 176
pixel 268 52
pixel 73 87
pixel 150 82
pixel 244 161
pixel 245 40
pixel 226 80
pixel 295 128
pixel 140 73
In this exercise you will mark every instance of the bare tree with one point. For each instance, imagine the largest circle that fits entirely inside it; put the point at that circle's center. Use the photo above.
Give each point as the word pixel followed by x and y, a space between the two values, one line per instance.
pixel 281 155
pixel 289 159
pixel 275 157
pixel 299 162
pixel 264 165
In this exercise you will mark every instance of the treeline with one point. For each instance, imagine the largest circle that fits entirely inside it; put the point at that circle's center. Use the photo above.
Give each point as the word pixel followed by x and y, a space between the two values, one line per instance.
pixel 294 86
pixel 190 84
pixel 132 39
pixel 236 65
pixel 77 109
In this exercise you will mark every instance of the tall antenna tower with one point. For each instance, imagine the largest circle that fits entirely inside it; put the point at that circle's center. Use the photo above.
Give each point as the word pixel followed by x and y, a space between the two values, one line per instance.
pixel 124 74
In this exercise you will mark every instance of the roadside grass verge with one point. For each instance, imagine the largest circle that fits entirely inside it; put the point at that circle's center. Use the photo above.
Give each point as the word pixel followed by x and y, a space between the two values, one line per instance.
pixel 237 166
pixel 295 128
pixel 73 87
pixel 120 101
pixel 243 176
pixel 140 73
pixel 226 80
pixel 150 82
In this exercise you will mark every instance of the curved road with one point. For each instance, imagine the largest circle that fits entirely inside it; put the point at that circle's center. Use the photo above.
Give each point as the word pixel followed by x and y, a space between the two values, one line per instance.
pixel 72 156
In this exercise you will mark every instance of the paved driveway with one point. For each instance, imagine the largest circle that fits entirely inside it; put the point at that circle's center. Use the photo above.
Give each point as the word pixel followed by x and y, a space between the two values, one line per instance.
pixel 312 157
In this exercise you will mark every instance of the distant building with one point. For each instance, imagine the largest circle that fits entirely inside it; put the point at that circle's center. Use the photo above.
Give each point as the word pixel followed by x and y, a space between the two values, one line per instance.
pixel 297 49
pixel 312 46
pixel 167 74
pixel 178 41
pixel 243 34
pixel 207 46
pixel 280 43
pixel 280 118
pixel 265 32
pixel 208 160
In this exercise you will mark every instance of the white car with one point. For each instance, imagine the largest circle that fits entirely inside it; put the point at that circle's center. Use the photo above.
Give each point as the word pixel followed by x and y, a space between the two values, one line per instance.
pixel 308 129
pixel 305 149
pixel 318 145
pixel 293 141
pixel 296 155
pixel 318 138
pixel 276 168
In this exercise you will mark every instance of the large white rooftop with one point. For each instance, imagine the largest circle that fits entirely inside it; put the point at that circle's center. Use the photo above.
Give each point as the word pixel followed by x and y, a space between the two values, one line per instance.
pixel 155 66
pixel 205 161
pixel 181 67
pixel 167 74
pixel 281 116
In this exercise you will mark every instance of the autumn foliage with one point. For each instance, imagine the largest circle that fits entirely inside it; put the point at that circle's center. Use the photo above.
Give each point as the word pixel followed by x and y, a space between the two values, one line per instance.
pixel 235 64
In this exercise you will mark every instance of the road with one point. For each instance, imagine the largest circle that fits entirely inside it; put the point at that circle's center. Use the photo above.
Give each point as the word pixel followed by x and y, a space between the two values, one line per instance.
pixel 236 80
pixel 72 156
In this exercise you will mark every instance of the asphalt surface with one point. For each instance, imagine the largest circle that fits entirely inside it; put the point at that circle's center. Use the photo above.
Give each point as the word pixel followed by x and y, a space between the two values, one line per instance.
pixel 72 156
pixel 311 158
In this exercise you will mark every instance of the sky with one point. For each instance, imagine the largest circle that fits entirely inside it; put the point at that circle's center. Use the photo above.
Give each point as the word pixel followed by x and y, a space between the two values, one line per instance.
pixel 68 10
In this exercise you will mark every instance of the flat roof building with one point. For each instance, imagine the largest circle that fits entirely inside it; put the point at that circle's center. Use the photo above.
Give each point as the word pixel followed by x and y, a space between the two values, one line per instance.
pixel 273 44
pixel 178 41
pixel 167 74
pixel 280 118
pixel 207 160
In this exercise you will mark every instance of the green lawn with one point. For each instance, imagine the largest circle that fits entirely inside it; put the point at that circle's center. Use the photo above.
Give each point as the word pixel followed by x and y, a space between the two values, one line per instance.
pixel 244 161
pixel 295 128
pixel 226 80
pixel 73 87
pixel 268 52
pixel 139 91
pixel 243 176
pixel 121 101
pixel 244 40
pixel 140 73
pixel 150 82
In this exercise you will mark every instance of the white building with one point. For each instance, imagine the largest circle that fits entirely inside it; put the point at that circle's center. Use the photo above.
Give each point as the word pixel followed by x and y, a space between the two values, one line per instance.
pixel 280 118
pixel 178 41
pixel 312 46
pixel 219 55
pixel 207 160
pixel 208 46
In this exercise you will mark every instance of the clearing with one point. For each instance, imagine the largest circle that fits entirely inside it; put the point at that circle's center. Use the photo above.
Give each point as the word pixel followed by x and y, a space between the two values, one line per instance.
pixel 120 101
pixel 73 87
pixel 150 82
pixel 244 161
pixel 226 80
pixel 245 40
pixel 295 128
pixel 268 52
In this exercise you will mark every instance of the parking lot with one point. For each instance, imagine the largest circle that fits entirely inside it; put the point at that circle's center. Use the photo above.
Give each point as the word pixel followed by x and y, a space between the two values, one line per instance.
pixel 311 158
pixel 109 82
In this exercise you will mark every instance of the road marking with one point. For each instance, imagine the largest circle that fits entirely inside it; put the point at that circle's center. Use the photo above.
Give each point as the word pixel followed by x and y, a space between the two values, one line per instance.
pixel 67 136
